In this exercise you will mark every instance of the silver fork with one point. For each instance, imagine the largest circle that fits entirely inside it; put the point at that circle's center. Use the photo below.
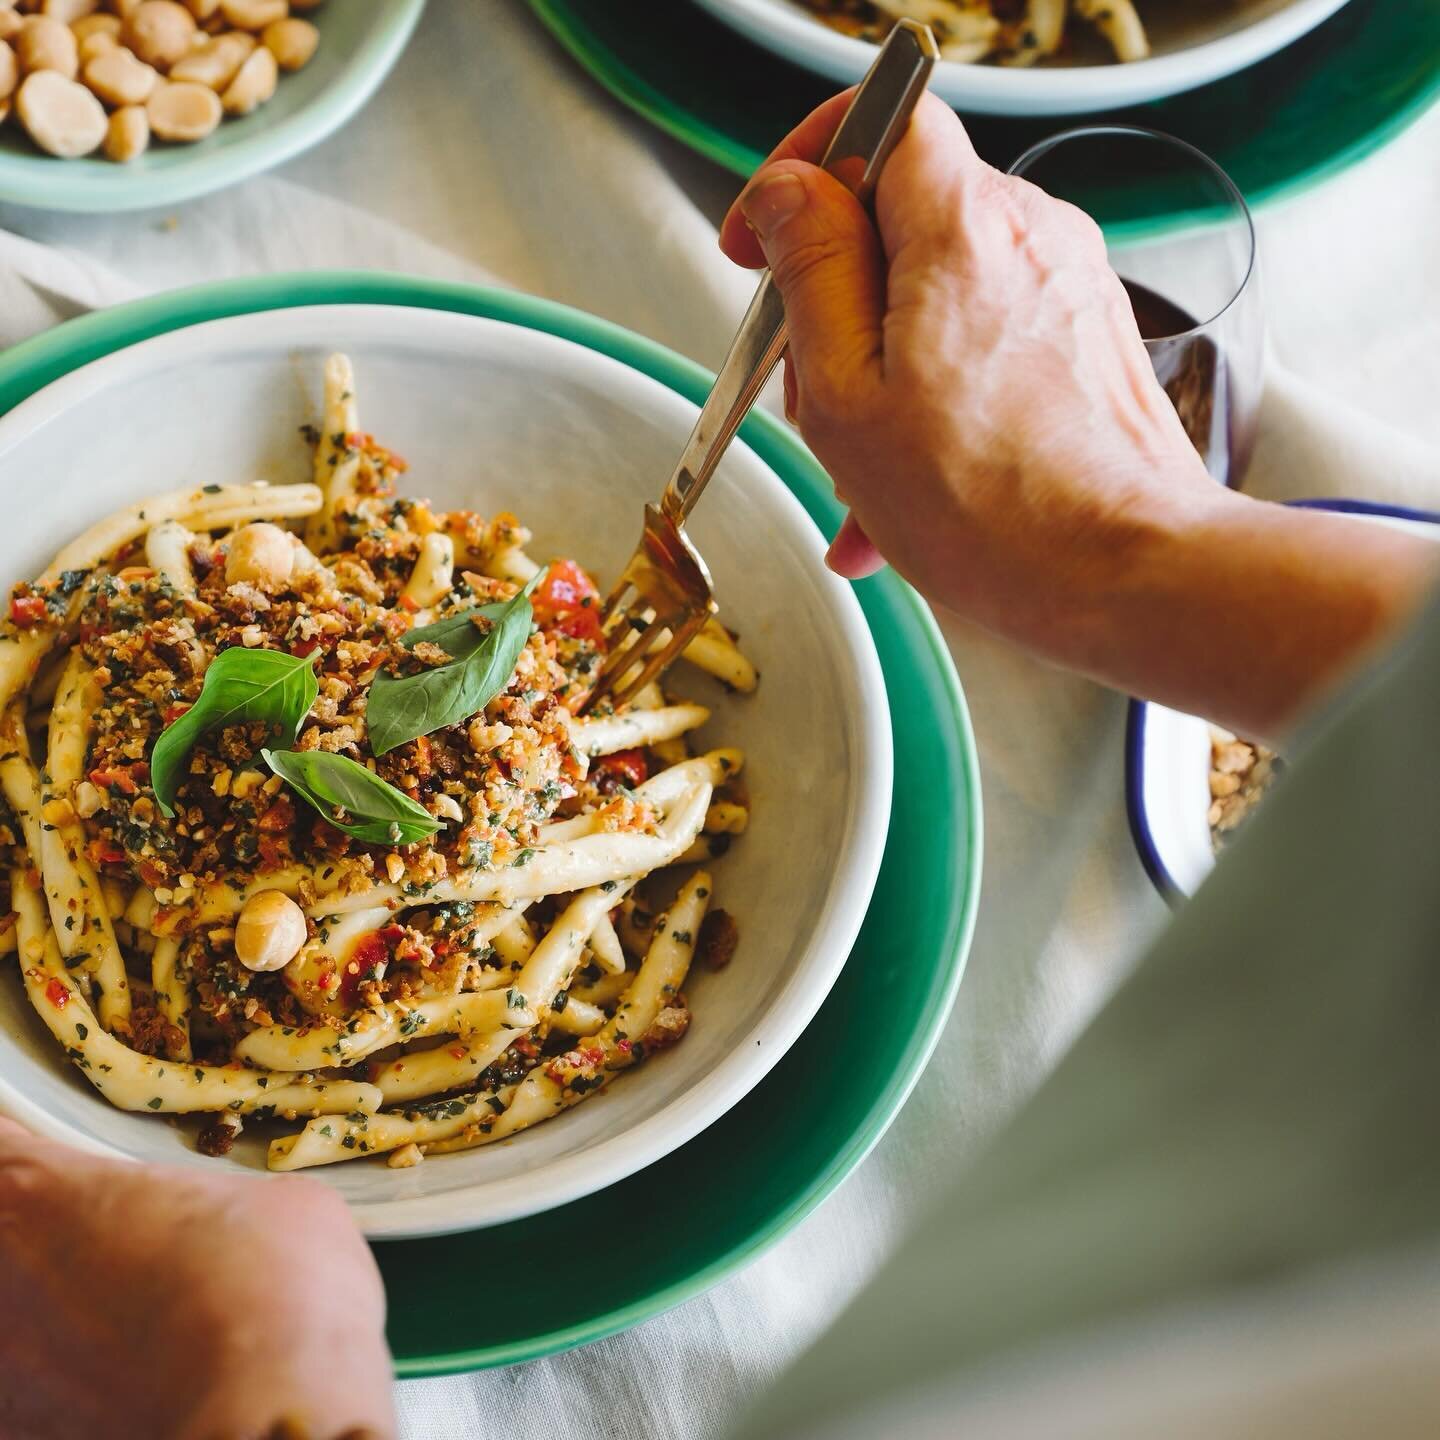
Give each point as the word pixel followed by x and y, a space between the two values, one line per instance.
pixel 664 595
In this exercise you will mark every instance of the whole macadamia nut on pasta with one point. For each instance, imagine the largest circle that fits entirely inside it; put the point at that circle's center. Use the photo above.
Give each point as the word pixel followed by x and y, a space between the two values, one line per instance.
pixel 182 112
pixel 129 134
pixel 202 9
pixel 253 14
pixel 159 32
pixel 260 554
pixel 253 85
pixel 291 42
pixel 9 71
pixel 46 44
pixel 60 116
pixel 269 932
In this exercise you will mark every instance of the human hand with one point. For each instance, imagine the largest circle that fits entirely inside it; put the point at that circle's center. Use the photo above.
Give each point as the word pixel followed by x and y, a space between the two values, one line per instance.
pixel 177 1305
pixel 968 369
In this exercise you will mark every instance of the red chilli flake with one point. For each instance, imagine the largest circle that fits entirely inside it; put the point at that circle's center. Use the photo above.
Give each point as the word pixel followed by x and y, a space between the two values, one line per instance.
pixel 27 610
pixel 58 994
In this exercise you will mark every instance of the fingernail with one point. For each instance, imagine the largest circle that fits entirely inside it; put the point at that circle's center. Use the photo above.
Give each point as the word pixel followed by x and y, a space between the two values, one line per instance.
pixel 771 201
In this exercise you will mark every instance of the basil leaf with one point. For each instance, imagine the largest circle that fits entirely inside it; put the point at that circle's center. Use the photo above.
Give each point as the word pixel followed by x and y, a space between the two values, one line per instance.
pixel 241 685
pixel 401 710
pixel 377 811
pixel 455 634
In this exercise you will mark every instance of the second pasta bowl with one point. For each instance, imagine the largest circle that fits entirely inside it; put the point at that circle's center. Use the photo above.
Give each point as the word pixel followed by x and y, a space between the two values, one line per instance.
pixel 491 418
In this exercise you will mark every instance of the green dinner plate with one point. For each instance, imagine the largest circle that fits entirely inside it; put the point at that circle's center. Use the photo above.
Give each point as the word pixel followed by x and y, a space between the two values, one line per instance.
pixel 358 45
pixel 694 1217
pixel 1306 113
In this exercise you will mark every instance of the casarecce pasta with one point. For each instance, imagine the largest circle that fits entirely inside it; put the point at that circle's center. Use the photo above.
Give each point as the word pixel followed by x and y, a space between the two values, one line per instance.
pixel 1012 32
pixel 303 824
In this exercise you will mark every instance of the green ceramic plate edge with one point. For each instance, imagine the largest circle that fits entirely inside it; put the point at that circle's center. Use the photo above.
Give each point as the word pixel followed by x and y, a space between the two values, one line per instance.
pixel 706 136
pixel 43 183
pixel 941 876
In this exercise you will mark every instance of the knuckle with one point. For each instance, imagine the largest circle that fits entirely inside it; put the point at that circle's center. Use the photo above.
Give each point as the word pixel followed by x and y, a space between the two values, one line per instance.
pixel 801 263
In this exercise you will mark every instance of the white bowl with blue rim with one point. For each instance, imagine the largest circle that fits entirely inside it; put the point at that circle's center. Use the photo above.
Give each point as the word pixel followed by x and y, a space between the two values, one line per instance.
pixel 1167 754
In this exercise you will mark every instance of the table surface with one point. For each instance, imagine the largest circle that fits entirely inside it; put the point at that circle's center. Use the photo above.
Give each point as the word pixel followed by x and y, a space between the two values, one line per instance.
pixel 489 157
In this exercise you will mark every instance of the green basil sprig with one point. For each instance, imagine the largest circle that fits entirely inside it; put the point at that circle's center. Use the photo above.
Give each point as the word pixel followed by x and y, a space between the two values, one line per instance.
pixel 480 667
pixel 376 811
pixel 240 686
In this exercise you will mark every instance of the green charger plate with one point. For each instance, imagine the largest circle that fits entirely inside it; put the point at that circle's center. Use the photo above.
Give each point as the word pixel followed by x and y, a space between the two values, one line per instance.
pixel 686 1222
pixel 1319 105
pixel 358 45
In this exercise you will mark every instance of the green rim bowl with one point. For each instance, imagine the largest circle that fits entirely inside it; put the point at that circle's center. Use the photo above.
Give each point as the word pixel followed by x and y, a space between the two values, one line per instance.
pixel 1307 112
pixel 689 1220
pixel 359 42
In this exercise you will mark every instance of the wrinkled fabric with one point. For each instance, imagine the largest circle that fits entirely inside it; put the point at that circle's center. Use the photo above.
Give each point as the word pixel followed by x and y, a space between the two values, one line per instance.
pixel 489 157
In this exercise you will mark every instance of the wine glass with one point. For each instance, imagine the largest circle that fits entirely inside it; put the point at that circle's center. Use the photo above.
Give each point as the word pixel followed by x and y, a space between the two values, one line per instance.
pixel 1188 261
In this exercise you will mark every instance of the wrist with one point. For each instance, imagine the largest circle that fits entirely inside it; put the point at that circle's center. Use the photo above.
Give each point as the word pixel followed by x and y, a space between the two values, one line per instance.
pixel 1247 612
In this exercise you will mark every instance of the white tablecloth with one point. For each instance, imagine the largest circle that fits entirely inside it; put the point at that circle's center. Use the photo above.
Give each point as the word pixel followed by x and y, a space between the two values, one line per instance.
pixel 490 157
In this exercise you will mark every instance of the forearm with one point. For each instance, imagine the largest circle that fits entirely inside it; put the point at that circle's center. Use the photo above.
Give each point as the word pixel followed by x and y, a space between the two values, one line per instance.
pixel 1248 612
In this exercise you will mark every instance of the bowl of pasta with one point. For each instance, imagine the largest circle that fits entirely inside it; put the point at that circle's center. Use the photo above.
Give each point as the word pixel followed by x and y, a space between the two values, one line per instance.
pixel 1037 57
pixel 315 855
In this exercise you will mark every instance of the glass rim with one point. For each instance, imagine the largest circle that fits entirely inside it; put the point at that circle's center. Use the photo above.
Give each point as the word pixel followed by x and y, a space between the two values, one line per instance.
pixel 1141 132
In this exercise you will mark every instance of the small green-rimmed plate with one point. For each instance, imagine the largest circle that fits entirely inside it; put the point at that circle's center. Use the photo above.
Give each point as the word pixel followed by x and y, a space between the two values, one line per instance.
pixel 695 1216
pixel 358 45
pixel 1317 106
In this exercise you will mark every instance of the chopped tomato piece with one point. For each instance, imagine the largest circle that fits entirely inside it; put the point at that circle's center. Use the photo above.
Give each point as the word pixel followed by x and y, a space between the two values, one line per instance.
pixel 58 994
pixel 630 766
pixel 104 852
pixel 27 610
pixel 115 778
pixel 567 600
pixel 280 816
pixel 367 962
pixel 582 625
pixel 303 648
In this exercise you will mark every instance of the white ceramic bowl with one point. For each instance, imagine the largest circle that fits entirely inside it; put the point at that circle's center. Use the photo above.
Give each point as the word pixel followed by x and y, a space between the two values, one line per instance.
pixel 1167 755
pixel 1192 45
pixel 495 416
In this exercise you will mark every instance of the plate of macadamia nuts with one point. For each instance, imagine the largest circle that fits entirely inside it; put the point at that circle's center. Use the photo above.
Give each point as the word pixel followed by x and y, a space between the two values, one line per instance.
pixel 125 104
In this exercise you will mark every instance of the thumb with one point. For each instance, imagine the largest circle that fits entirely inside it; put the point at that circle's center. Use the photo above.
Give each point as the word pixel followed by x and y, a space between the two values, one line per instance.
pixel 827 262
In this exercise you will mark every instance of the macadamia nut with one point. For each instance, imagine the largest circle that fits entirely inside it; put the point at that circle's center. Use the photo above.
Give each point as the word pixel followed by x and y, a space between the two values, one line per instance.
pixel 60 116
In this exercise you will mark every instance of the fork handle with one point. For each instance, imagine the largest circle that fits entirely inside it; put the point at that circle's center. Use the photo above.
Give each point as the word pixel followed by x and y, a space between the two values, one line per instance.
pixel 872 127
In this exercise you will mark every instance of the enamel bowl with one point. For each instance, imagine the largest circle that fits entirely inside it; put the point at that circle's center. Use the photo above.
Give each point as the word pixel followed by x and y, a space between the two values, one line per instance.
pixel 1192 44
pixel 493 416
pixel 359 42
pixel 1167 755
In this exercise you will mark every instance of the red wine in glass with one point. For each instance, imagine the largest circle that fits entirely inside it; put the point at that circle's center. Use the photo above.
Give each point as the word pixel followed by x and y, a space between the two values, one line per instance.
pixel 1192 369
pixel 1179 235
